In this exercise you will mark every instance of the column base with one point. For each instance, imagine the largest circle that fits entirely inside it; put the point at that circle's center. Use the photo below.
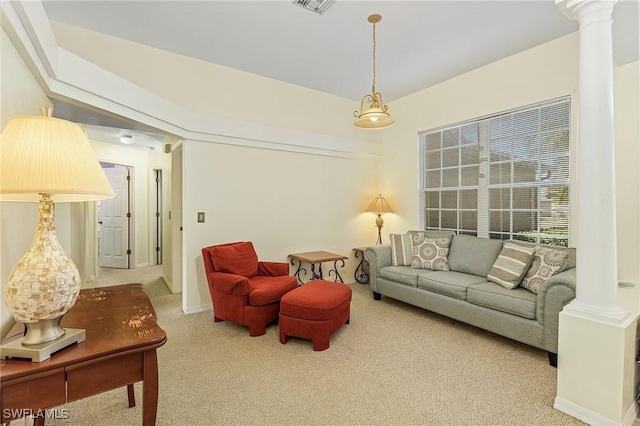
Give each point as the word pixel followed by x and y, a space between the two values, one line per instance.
pixel 594 418
pixel 597 368
pixel 608 315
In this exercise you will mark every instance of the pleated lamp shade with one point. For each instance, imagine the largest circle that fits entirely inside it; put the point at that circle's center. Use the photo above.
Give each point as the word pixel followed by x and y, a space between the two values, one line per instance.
pixel 46 155
pixel 379 205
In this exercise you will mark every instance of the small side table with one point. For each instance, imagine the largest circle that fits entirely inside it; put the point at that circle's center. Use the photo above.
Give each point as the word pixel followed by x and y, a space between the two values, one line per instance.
pixel 361 273
pixel 317 257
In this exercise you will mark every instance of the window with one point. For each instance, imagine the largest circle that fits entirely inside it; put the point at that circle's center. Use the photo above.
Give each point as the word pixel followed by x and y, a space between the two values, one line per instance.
pixel 505 176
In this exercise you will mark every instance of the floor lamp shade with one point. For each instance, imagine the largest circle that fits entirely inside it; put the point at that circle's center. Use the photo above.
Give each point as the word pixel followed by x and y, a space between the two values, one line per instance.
pixel 46 160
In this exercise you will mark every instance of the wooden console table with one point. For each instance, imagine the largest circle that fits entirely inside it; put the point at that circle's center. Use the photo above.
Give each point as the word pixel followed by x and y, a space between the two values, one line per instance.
pixel 119 350
pixel 317 257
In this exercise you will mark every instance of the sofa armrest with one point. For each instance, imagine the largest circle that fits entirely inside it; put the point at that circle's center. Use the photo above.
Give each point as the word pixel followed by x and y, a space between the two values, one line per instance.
pixel 378 257
pixel 229 283
pixel 553 295
pixel 273 269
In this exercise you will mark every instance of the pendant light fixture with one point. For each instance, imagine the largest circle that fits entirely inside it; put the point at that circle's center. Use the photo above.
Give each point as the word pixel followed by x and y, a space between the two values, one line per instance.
pixel 376 115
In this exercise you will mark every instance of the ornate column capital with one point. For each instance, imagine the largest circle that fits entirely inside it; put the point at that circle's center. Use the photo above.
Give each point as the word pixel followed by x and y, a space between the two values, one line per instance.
pixel 573 9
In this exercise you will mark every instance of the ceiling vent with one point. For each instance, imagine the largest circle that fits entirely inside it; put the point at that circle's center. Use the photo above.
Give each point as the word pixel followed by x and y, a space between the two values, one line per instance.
pixel 317 6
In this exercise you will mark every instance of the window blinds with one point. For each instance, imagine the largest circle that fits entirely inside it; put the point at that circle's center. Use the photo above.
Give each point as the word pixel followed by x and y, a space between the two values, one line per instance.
pixel 505 176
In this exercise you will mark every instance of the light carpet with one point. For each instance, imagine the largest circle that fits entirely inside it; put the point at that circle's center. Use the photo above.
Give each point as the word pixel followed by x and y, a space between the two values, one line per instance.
pixel 392 365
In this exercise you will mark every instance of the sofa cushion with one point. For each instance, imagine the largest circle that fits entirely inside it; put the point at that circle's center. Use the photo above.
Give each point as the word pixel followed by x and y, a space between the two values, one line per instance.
pixel 511 265
pixel 402 274
pixel 238 259
pixel 401 249
pixel 265 290
pixel 518 301
pixel 430 253
pixel 546 263
pixel 317 300
pixel 473 255
pixel 449 283
pixel 433 234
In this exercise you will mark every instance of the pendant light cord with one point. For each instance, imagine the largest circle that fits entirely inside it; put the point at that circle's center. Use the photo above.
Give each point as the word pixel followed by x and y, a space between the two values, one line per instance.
pixel 373 87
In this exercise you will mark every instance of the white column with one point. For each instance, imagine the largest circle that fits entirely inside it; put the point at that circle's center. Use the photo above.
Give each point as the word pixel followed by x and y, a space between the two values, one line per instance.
pixel 596 337
pixel 597 261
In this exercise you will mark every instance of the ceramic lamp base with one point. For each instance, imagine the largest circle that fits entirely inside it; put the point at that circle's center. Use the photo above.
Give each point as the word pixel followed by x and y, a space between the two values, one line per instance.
pixel 45 282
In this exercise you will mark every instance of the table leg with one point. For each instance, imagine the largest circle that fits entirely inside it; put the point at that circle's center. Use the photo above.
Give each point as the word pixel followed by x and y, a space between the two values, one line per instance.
pixel 361 274
pixel 335 270
pixel 132 396
pixel 150 388
pixel 299 270
pixel 316 275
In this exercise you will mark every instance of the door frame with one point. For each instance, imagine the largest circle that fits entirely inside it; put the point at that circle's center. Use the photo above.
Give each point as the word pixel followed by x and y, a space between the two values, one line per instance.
pixel 91 220
pixel 125 208
pixel 156 218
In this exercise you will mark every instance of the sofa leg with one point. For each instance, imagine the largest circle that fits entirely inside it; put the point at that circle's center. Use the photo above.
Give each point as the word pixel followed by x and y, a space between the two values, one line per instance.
pixel 553 359
pixel 377 296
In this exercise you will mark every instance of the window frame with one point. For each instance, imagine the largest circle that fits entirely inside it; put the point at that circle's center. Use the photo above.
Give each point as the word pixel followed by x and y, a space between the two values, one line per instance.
pixel 557 164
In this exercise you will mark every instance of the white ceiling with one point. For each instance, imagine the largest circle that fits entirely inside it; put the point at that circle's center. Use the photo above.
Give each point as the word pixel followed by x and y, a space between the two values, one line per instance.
pixel 419 43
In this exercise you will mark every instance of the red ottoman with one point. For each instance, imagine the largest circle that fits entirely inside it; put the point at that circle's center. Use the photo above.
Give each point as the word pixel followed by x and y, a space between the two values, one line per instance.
pixel 314 311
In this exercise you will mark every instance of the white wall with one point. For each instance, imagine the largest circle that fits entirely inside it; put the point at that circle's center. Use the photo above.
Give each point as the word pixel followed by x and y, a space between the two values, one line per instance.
pixel 20 94
pixel 281 201
pixel 627 134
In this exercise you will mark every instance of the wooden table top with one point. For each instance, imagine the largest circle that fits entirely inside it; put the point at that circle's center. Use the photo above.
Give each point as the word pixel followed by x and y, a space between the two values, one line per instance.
pixel 116 319
pixel 317 256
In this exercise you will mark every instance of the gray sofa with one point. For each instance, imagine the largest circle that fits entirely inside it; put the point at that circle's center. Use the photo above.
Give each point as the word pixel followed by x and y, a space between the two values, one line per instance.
pixel 464 293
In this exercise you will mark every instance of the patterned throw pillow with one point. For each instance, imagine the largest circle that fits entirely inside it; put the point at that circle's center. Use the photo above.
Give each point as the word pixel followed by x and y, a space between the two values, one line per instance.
pixel 401 249
pixel 430 253
pixel 511 265
pixel 546 263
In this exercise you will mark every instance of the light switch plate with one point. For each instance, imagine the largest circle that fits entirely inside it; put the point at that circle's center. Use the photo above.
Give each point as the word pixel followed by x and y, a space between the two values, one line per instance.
pixel 200 217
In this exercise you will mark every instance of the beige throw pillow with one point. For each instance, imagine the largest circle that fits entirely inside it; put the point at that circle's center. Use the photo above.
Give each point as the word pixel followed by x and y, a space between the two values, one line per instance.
pixel 546 263
pixel 401 249
pixel 511 265
pixel 430 253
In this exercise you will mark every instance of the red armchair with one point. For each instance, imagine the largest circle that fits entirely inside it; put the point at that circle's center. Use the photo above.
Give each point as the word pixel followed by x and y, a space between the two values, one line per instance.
pixel 244 290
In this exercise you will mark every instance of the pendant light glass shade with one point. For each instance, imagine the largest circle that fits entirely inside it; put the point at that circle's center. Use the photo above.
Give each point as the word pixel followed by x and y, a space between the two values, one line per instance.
pixel 375 116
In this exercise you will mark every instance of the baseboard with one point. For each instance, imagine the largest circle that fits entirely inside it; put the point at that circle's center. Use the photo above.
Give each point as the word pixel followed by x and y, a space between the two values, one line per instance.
pixel 632 414
pixel 169 285
pixel 591 417
pixel 198 309
pixel 143 265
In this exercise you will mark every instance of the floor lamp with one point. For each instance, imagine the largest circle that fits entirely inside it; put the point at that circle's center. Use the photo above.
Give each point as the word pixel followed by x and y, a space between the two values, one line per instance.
pixel 378 206
pixel 46 160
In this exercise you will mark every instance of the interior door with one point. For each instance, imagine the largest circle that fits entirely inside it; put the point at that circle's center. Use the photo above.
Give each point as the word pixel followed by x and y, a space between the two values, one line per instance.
pixel 113 233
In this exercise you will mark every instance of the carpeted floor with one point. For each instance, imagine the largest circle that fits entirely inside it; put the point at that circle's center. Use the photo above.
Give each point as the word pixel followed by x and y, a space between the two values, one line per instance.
pixel 392 365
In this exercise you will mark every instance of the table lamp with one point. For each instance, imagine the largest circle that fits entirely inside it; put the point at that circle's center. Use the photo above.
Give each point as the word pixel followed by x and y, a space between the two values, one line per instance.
pixel 46 160
pixel 379 205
